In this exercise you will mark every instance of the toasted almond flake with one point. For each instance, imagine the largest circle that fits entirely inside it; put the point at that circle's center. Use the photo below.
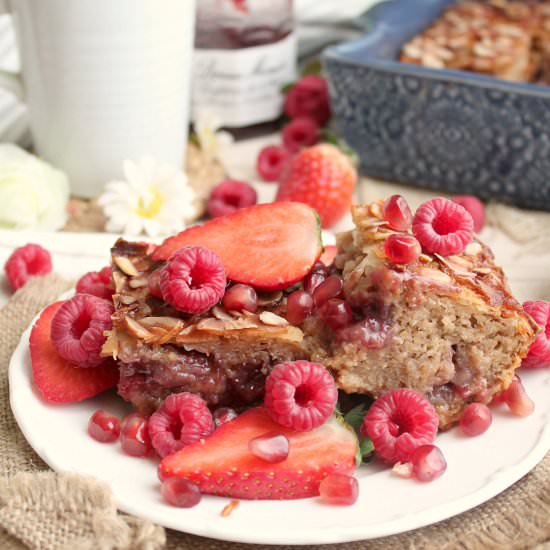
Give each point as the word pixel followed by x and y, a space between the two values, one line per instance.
pixel 482 270
pixel 167 323
pixel 221 314
pixel 138 282
pixel 473 249
pixel 269 298
pixel 110 347
pixel 403 469
pixel 425 259
pixel 127 299
pixel 269 318
pixel 125 265
pixel 435 275
pixel 375 209
pixel 172 333
pixel 457 264
pixel 119 280
pixel 229 508
pixel 138 330
pixel 211 324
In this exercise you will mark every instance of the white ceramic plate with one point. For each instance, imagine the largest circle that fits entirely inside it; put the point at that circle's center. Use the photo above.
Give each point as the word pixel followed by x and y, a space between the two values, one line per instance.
pixel 478 469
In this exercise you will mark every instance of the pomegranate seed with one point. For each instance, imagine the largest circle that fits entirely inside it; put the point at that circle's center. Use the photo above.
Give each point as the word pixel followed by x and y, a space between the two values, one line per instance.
pixel 180 492
pixel 475 419
pixel 134 435
pixel 517 399
pixel 272 449
pixel 428 463
pixel 339 489
pixel 299 305
pixel 315 277
pixel 369 333
pixel 329 288
pixel 239 297
pixel 402 249
pixel 223 415
pixel 336 313
pixel 397 213
pixel 104 427
pixel 153 283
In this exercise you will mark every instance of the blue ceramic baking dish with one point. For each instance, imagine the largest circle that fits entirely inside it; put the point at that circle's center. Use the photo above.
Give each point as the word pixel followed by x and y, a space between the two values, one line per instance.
pixel 442 129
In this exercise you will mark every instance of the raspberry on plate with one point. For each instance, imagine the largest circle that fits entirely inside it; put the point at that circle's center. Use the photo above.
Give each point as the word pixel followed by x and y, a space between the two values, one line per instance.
pixel 322 177
pixel 539 352
pixel 475 207
pixel 58 380
pixel 181 420
pixel 229 196
pixel 309 97
pixel 398 423
pixel 300 395
pixel 193 280
pixel 78 329
pixel 271 162
pixel 25 262
pixel 97 283
pixel 443 227
pixel 299 133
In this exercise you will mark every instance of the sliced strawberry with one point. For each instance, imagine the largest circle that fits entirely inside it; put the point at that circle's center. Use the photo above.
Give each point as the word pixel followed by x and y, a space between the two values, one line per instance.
pixel 268 246
pixel 327 257
pixel 223 464
pixel 57 380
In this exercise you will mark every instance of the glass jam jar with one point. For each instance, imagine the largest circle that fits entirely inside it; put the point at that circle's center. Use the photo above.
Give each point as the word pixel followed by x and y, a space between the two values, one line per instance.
pixel 245 52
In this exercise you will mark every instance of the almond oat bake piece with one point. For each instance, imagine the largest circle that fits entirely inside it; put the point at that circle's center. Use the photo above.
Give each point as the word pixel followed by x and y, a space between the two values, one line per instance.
pixel 221 356
pixel 447 327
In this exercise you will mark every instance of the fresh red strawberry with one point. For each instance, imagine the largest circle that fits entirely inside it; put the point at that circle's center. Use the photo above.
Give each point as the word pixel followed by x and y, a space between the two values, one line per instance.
pixel 267 246
pixel 323 177
pixel 223 464
pixel 327 257
pixel 57 380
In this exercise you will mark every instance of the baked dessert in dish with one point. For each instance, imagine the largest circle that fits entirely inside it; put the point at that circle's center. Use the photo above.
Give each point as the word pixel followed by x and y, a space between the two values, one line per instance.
pixel 444 326
pixel 506 39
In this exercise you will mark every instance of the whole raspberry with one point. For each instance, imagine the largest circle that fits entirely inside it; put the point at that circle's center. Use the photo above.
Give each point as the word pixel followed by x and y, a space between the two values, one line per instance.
pixel 193 280
pixel 475 207
pixel 300 395
pixel 25 262
pixel 539 352
pixel 181 420
pixel 271 162
pixel 78 329
pixel 309 97
pixel 300 133
pixel 398 423
pixel 229 196
pixel 97 283
pixel 443 227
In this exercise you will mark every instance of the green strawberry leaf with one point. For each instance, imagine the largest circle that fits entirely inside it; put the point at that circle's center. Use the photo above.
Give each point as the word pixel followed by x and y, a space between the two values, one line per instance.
pixel 354 417
pixel 312 67
pixel 366 447
pixel 287 87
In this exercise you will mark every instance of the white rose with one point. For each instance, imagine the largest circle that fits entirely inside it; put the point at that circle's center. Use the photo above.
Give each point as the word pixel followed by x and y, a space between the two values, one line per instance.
pixel 33 194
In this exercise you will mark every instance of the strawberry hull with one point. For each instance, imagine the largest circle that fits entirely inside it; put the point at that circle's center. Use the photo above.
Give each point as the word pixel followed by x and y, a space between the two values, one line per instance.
pixel 223 465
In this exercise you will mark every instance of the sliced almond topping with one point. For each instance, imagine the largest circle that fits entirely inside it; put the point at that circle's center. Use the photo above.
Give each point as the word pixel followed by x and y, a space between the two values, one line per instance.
pixel 167 323
pixel 435 275
pixel 375 209
pixel 138 282
pixel 457 264
pixel 210 324
pixel 269 318
pixel 473 249
pixel 221 314
pixel 425 259
pixel 110 347
pixel 125 265
pixel 127 299
pixel 119 280
pixel 138 330
pixel 482 270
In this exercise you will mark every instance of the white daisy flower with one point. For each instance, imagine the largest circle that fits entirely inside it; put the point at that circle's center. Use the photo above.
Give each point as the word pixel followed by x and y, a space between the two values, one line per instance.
pixel 211 139
pixel 155 199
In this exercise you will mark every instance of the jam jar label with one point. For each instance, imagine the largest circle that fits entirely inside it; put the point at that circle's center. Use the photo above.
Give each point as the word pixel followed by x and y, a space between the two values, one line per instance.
pixel 243 86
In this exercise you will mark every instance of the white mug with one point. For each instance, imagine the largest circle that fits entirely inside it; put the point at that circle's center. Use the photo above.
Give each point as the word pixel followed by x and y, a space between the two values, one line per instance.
pixel 104 81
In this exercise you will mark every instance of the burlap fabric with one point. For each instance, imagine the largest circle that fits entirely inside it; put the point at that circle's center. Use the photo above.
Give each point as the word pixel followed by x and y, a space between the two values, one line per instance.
pixel 43 510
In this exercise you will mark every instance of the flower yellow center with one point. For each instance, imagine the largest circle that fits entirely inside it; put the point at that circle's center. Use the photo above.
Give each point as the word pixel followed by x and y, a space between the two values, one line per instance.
pixel 149 204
